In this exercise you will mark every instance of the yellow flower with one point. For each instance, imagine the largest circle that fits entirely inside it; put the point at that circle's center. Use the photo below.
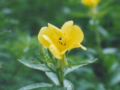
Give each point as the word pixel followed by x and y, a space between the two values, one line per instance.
pixel 59 41
pixel 90 2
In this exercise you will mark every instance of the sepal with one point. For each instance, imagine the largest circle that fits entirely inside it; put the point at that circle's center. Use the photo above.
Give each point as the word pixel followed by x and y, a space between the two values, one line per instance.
pixel 45 58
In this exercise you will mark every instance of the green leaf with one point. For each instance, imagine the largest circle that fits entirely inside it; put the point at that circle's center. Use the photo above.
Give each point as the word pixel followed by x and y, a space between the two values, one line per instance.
pixel 6 32
pixel 83 62
pixel 68 70
pixel 106 4
pixel 37 85
pixel 49 54
pixel 101 86
pixel 104 12
pixel 58 88
pixel 109 61
pixel 63 88
pixel 0 67
pixel 35 65
pixel 45 59
pixel 52 77
pixel 115 79
pixel 110 50
pixel 76 65
pixel 67 52
pixel 102 30
pixel 68 84
pixel 55 88
pixel 51 65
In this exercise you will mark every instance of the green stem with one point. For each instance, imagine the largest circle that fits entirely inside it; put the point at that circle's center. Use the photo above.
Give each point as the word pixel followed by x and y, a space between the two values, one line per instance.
pixel 62 73
pixel 50 67
pixel 94 18
pixel 57 73
pixel 98 40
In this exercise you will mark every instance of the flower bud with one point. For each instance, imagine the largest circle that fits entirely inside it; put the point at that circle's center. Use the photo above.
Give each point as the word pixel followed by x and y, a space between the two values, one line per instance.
pixel 41 49
pixel 90 2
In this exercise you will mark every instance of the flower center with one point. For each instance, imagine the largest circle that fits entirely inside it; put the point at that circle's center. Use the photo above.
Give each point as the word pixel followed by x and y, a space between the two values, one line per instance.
pixel 61 41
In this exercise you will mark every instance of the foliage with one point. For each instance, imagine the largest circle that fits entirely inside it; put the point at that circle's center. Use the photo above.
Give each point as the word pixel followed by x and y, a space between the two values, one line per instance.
pixel 24 18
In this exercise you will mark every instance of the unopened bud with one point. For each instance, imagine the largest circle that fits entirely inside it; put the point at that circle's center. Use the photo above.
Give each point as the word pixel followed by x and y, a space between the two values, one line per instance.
pixel 41 49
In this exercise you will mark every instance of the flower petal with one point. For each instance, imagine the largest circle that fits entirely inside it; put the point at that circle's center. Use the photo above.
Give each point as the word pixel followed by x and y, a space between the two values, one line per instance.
pixel 78 45
pixel 56 31
pixel 73 32
pixel 47 39
pixel 52 32
pixel 55 51
pixel 42 40
pixel 75 36
pixel 75 45
pixel 84 48
pixel 66 28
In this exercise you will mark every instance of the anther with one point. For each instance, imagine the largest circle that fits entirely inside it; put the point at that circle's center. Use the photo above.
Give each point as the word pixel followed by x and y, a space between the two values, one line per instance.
pixel 64 43
pixel 60 38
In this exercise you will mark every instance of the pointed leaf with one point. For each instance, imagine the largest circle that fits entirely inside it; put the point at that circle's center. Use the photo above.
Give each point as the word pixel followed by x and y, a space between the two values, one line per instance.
pixel 115 79
pixel 68 70
pixel 35 65
pixel 102 30
pixel 37 85
pixel 55 88
pixel 5 32
pixel 83 62
pixel 45 59
pixel 63 88
pixel 51 65
pixel 58 88
pixel 104 12
pixel 68 84
pixel 110 50
pixel 49 54
pixel 109 61
pixel 52 77
pixel 75 65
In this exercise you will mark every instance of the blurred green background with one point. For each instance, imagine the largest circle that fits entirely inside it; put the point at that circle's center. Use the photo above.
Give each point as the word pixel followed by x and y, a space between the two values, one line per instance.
pixel 20 22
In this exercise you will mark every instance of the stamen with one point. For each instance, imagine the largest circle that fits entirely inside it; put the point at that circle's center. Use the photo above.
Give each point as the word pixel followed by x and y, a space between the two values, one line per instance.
pixel 60 38
pixel 64 43
pixel 61 41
